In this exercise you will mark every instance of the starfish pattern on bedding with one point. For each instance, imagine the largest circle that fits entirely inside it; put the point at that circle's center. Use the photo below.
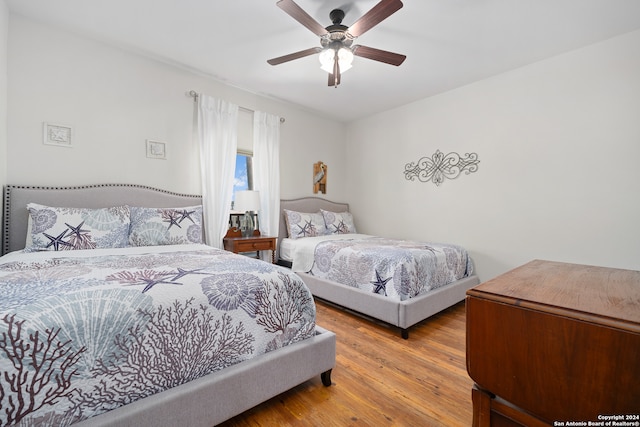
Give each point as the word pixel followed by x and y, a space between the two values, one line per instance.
pixel 57 241
pixel 307 230
pixel 185 214
pixel 76 230
pixel 341 228
pixel 149 278
pixel 380 284
pixel 172 220
pixel 182 272
pixel 152 282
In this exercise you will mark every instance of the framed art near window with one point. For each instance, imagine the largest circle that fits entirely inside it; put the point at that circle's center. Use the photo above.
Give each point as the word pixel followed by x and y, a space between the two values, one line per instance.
pixel 156 149
pixel 55 134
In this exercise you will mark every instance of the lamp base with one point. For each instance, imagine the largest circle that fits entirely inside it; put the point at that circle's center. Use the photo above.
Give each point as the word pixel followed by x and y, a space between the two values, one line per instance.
pixel 246 225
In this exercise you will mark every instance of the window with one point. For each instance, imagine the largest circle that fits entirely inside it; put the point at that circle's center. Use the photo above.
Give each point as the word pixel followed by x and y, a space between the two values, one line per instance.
pixel 244 166
pixel 244 173
pixel 243 179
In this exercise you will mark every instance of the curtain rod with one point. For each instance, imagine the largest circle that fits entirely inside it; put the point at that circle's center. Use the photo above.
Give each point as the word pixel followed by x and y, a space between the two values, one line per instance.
pixel 194 95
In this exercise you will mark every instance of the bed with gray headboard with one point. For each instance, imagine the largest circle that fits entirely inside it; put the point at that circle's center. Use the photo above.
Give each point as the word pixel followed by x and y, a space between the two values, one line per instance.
pixel 16 198
pixel 404 313
pixel 203 401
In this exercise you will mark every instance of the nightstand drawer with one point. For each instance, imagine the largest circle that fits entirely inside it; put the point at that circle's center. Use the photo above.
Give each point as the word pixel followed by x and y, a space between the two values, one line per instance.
pixel 251 244
pixel 258 245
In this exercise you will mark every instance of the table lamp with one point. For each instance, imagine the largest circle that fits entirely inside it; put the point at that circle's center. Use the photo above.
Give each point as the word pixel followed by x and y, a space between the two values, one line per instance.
pixel 247 201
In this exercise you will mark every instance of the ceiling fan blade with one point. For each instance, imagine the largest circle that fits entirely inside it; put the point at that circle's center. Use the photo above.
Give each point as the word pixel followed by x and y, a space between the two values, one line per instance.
pixel 332 80
pixel 297 13
pixel 378 55
pixel 295 55
pixel 376 15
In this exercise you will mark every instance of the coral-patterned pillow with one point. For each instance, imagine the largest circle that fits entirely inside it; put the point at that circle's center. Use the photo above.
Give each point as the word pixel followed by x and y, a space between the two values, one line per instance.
pixel 338 223
pixel 302 224
pixel 165 226
pixel 57 228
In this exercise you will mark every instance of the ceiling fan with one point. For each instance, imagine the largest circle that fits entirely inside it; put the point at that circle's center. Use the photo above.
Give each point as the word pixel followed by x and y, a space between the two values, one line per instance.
pixel 336 40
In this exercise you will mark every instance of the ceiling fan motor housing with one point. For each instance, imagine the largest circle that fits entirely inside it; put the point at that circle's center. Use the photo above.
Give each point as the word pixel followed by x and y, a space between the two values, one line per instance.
pixel 337 35
pixel 336 16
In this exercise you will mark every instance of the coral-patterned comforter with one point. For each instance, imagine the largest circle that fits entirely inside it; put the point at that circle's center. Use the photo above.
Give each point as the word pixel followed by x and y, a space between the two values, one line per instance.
pixel 84 332
pixel 398 269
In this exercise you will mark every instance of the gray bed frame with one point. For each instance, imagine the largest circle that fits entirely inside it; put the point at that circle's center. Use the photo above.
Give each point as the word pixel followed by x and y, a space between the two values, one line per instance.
pixel 402 314
pixel 208 400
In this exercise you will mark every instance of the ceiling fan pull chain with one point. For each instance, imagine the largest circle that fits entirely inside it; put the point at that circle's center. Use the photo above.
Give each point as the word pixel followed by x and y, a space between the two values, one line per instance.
pixel 336 69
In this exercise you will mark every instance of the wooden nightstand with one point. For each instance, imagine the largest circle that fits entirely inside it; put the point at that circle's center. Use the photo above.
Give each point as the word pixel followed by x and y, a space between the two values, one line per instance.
pixel 251 244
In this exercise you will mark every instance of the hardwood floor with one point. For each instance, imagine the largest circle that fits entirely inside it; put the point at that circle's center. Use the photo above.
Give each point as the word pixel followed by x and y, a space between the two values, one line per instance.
pixel 379 378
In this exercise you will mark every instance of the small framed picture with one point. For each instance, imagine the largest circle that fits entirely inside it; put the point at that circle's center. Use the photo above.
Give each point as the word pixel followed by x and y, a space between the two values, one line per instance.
pixel 55 134
pixel 156 149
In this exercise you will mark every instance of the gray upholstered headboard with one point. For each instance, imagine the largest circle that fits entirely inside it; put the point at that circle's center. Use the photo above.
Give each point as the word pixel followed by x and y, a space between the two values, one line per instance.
pixel 16 198
pixel 308 205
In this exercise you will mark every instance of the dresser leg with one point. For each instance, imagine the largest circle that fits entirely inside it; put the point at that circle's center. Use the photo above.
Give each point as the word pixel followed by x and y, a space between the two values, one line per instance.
pixel 481 407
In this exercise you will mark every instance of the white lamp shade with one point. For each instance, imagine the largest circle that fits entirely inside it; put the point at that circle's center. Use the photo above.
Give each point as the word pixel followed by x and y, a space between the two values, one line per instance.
pixel 247 201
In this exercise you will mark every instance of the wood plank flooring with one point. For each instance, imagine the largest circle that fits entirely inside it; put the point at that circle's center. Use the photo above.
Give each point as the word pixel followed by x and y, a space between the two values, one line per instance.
pixel 380 379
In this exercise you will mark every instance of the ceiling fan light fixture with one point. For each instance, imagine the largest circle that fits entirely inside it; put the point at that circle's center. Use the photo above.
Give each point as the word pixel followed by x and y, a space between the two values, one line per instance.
pixel 326 59
pixel 328 55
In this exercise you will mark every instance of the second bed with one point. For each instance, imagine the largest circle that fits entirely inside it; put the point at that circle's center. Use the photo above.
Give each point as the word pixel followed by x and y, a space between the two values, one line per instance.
pixel 318 240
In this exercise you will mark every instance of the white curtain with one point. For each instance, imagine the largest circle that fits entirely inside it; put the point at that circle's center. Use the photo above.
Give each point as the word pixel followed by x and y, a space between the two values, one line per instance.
pixel 266 170
pixel 218 140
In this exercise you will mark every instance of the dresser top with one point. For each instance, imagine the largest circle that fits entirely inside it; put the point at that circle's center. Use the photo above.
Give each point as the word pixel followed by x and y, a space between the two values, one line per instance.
pixel 582 291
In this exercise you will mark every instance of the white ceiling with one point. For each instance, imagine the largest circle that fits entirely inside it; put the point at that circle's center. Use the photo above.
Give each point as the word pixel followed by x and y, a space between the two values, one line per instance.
pixel 448 43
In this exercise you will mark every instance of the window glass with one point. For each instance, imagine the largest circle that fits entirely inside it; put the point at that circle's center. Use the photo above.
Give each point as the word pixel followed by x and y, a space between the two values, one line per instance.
pixel 244 174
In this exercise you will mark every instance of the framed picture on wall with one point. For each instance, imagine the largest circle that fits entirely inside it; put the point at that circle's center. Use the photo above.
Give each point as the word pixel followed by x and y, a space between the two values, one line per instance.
pixel 56 134
pixel 156 149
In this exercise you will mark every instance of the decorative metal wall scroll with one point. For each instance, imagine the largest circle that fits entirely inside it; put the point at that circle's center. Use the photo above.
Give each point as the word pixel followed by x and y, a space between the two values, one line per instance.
pixel 439 167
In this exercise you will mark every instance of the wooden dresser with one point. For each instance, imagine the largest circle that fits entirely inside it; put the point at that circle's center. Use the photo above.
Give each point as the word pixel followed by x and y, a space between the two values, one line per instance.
pixel 550 343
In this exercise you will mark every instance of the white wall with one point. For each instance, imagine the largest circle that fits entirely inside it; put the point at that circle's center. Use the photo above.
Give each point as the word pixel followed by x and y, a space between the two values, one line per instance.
pixel 4 35
pixel 115 100
pixel 558 143
pixel 557 140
